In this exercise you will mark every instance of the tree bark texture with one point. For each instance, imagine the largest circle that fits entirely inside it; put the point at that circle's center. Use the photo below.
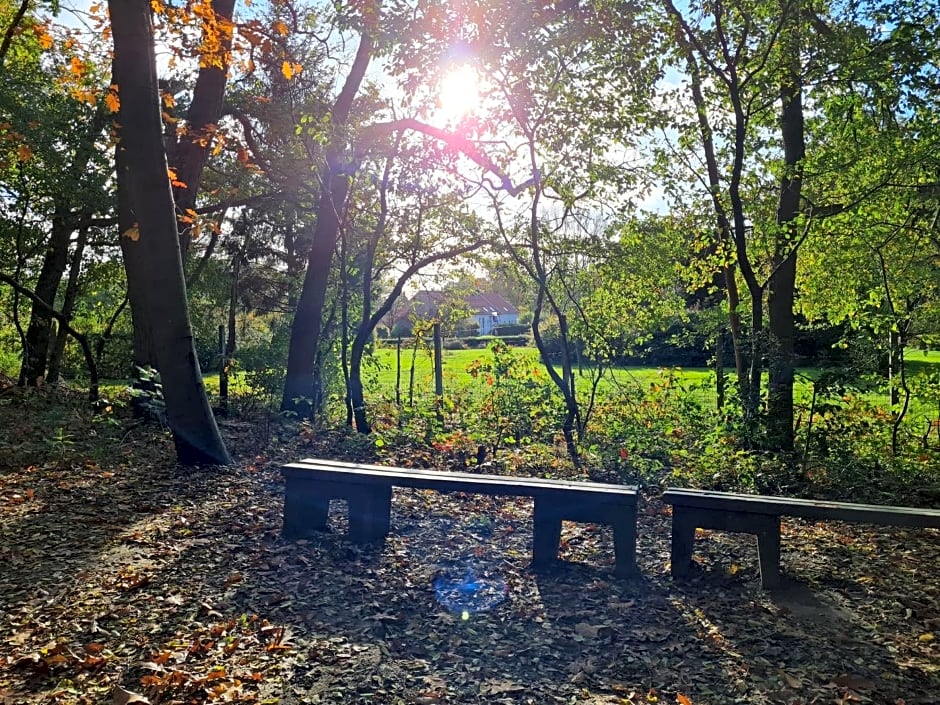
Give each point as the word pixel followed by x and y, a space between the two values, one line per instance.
pixel 68 305
pixel 300 392
pixel 155 271
pixel 782 282
pixel 194 146
pixel 39 330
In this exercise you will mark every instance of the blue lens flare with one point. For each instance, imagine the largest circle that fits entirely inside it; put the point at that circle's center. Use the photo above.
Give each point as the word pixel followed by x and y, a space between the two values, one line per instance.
pixel 468 592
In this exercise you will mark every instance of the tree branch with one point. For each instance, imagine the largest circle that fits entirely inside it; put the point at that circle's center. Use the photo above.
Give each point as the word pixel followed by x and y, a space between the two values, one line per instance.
pixel 64 322
pixel 377 131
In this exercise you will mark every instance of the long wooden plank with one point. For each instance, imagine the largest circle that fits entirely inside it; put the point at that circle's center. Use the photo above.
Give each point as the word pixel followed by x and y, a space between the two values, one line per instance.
pixel 454 481
pixel 804 508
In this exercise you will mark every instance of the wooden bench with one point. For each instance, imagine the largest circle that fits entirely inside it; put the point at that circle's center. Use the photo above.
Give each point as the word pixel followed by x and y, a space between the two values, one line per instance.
pixel 758 514
pixel 311 484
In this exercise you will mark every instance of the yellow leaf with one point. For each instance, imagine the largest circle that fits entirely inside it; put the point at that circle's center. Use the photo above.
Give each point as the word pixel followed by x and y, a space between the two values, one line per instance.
pixel 926 638
pixel 281 28
pixel 287 68
pixel 682 699
pixel 133 234
pixel 76 67
pixel 168 100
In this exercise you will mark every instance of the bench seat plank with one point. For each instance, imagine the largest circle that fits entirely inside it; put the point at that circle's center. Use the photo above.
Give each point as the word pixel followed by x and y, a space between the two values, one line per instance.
pixel 805 508
pixel 312 483
pixel 760 515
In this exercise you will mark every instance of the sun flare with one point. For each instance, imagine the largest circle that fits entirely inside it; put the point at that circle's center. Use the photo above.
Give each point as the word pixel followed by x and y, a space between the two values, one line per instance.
pixel 459 93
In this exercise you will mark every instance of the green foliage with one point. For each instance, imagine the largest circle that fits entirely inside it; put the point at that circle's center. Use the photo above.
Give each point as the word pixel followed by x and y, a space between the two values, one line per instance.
pixel 644 432
pixel 517 403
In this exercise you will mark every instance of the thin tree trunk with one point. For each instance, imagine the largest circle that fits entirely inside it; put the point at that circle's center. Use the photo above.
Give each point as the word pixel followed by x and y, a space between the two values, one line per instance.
pixel 161 281
pixel 782 284
pixel 68 305
pixel 39 330
pixel 306 328
pixel 79 338
pixel 228 349
pixel 108 330
pixel 193 148
pixel 11 31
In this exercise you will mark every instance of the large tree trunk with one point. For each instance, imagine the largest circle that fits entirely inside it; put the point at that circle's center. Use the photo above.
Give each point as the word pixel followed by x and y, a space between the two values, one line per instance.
pixel 142 355
pixel 300 391
pixel 155 271
pixel 39 331
pixel 783 278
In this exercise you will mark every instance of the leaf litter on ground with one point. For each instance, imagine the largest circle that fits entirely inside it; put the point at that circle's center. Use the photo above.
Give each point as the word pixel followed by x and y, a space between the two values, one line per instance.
pixel 131 580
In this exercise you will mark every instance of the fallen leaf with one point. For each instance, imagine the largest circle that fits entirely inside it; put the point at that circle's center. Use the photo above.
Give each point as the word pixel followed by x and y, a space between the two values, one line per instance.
pixel 126 697
pixel 853 682
pixel 499 686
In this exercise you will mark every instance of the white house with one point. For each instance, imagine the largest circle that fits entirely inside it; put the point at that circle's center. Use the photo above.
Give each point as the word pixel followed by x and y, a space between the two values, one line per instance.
pixel 488 310
pixel 491 310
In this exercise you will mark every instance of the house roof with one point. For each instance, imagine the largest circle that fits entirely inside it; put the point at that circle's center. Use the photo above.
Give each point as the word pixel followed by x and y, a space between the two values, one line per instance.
pixel 425 304
pixel 487 304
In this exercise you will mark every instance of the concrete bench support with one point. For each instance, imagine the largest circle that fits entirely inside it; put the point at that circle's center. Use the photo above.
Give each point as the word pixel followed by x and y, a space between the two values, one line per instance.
pixel 311 484
pixel 760 515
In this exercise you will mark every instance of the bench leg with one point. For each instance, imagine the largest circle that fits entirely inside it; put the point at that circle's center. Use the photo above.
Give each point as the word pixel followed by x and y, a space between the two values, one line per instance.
pixel 369 514
pixel 683 538
pixel 768 551
pixel 305 511
pixel 546 533
pixel 623 521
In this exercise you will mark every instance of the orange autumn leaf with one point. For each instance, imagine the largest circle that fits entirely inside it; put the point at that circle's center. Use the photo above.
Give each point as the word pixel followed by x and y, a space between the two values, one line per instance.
pixel 290 69
pixel 171 173
pixel 132 234
pixel 111 100
pixel 42 34
pixel 682 699
pixel 76 67
pixel 281 28
pixel 24 153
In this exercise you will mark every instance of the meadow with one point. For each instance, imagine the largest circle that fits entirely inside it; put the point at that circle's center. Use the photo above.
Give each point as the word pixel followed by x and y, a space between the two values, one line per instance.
pixel 385 367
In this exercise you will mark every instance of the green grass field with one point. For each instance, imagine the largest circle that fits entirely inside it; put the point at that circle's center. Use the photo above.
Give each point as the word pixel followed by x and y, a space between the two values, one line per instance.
pixel 381 370
pixel 384 368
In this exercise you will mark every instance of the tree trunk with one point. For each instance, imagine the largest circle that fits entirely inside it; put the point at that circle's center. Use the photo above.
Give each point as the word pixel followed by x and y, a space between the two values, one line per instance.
pixel 300 384
pixel 79 338
pixel 39 330
pixel 68 304
pixel 142 352
pixel 782 282
pixel 356 394
pixel 193 149
pixel 300 390
pixel 228 343
pixel 155 271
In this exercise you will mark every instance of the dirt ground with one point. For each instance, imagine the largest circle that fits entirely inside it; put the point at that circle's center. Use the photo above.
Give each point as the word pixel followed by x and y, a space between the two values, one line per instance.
pixel 133 580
